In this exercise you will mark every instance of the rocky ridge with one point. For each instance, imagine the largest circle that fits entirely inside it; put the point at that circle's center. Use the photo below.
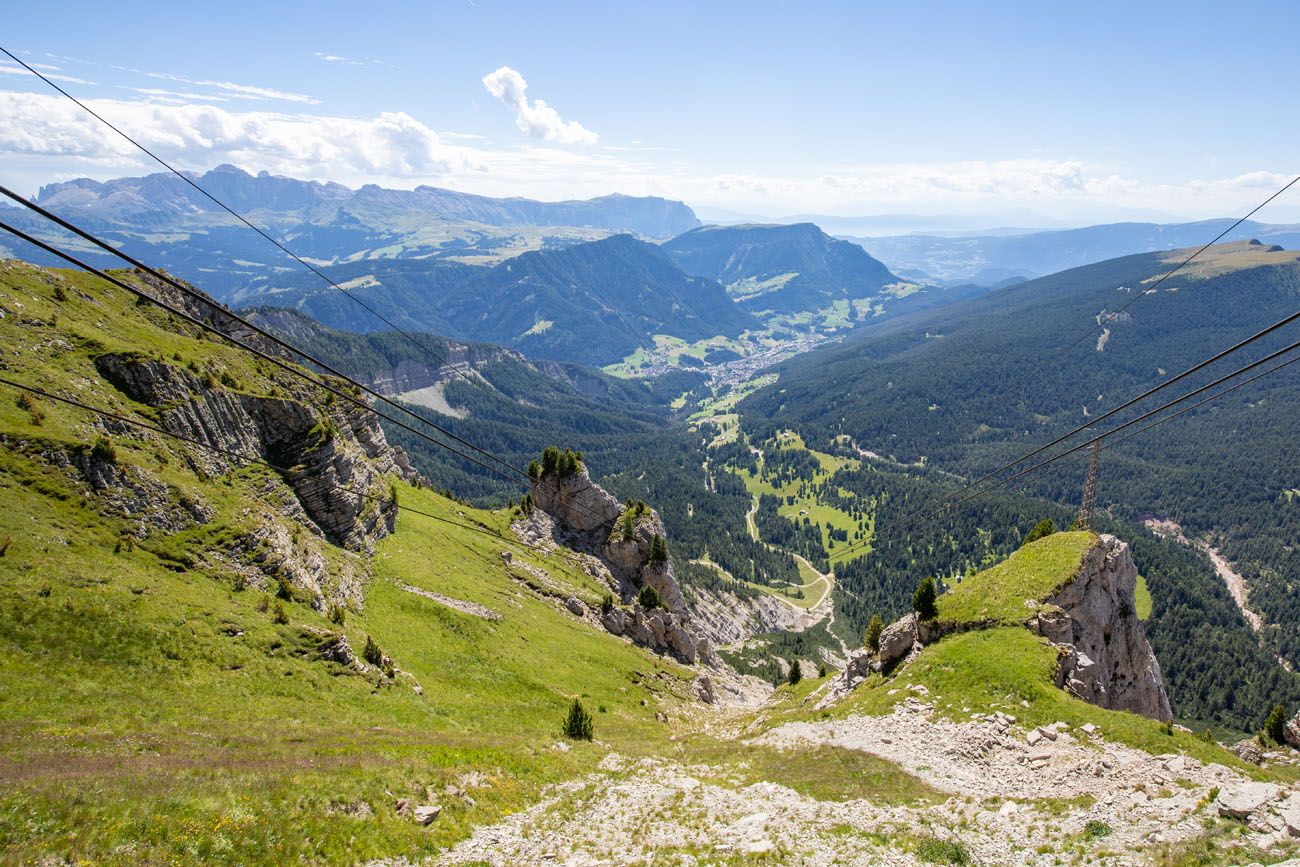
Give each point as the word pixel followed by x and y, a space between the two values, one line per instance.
pixel 573 511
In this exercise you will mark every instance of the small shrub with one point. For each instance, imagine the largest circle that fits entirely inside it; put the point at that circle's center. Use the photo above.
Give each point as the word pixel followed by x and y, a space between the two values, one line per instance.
pixel 280 616
pixel 1206 735
pixel 59 294
pixel 388 669
pixel 103 450
pixel 796 673
pixel 578 724
pixel 607 603
pixel 283 590
pixel 629 526
pixel 923 600
pixel 1096 829
pixel 392 493
pixel 337 615
pixel 871 640
pixel 240 583
pixel 534 470
pixel 228 381
pixel 44 592
pixel 1275 724
pixel 371 652
pixel 821 670
pixel 1045 527
pixel 932 850
pixel 649 598
pixel 1168 728
pixel 25 402
pixel 263 604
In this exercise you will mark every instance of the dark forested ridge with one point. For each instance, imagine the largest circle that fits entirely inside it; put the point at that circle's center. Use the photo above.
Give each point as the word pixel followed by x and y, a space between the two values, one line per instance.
pixel 780 268
pixel 593 303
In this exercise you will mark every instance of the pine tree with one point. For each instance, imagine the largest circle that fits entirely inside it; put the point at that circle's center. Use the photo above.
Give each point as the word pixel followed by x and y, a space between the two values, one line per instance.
pixel 1045 527
pixel 578 724
pixel 796 673
pixel 658 549
pixel 649 598
pixel 923 600
pixel 871 640
pixel 1275 725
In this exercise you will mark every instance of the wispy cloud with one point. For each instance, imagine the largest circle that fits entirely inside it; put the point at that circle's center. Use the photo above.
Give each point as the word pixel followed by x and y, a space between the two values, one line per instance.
pixel 7 68
pixel 240 91
pixel 537 119
pixel 230 89
pixel 348 61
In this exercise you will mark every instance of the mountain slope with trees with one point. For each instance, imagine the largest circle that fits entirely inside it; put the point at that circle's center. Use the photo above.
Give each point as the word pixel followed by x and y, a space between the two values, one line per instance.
pixel 592 303
pixel 784 269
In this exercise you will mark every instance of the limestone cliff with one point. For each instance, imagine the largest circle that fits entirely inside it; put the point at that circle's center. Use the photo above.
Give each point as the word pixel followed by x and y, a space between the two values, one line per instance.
pixel 1105 657
pixel 587 518
pixel 335 458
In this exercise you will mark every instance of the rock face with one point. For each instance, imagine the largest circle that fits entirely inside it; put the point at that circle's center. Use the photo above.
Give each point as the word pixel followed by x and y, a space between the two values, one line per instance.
pixel 1106 659
pixel 1291 733
pixel 589 520
pixel 335 462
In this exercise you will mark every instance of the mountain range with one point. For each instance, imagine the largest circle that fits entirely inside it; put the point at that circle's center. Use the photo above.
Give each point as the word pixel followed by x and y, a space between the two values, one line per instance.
pixel 991 258
pixel 163 220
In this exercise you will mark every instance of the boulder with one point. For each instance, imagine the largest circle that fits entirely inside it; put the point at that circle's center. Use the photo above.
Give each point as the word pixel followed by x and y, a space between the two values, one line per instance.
pixel 1291 815
pixel 896 640
pixel 575 606
pixel 425 813
pixel 704 689
pixel 1248 751
pixel 1291 732
pixel 1241 801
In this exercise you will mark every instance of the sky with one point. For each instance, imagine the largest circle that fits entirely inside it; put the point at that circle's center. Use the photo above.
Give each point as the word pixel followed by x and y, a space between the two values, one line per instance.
pixel 1019 113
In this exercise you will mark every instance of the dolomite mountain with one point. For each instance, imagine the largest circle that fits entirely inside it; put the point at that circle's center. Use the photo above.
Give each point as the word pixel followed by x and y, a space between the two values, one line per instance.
pixel 1104 655
pixel 585 517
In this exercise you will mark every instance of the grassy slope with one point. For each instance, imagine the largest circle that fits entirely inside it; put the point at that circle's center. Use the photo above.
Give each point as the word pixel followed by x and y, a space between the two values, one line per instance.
pixel 148 713
pixel 1004 593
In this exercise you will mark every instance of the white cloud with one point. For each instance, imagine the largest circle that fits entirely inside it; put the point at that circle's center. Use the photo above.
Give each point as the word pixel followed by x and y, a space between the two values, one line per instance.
pixel 537 119
pixel 393 144
pixel 45 137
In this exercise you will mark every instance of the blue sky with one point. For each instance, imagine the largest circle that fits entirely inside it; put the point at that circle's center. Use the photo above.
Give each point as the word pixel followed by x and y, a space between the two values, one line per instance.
pixel 1057 113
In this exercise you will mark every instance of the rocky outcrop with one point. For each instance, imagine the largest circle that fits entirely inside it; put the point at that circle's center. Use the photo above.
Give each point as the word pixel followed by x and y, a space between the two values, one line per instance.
pixel 335 459
pixel 1105 657
pixel 1291 732
pixel 587 519
pixel 729 619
